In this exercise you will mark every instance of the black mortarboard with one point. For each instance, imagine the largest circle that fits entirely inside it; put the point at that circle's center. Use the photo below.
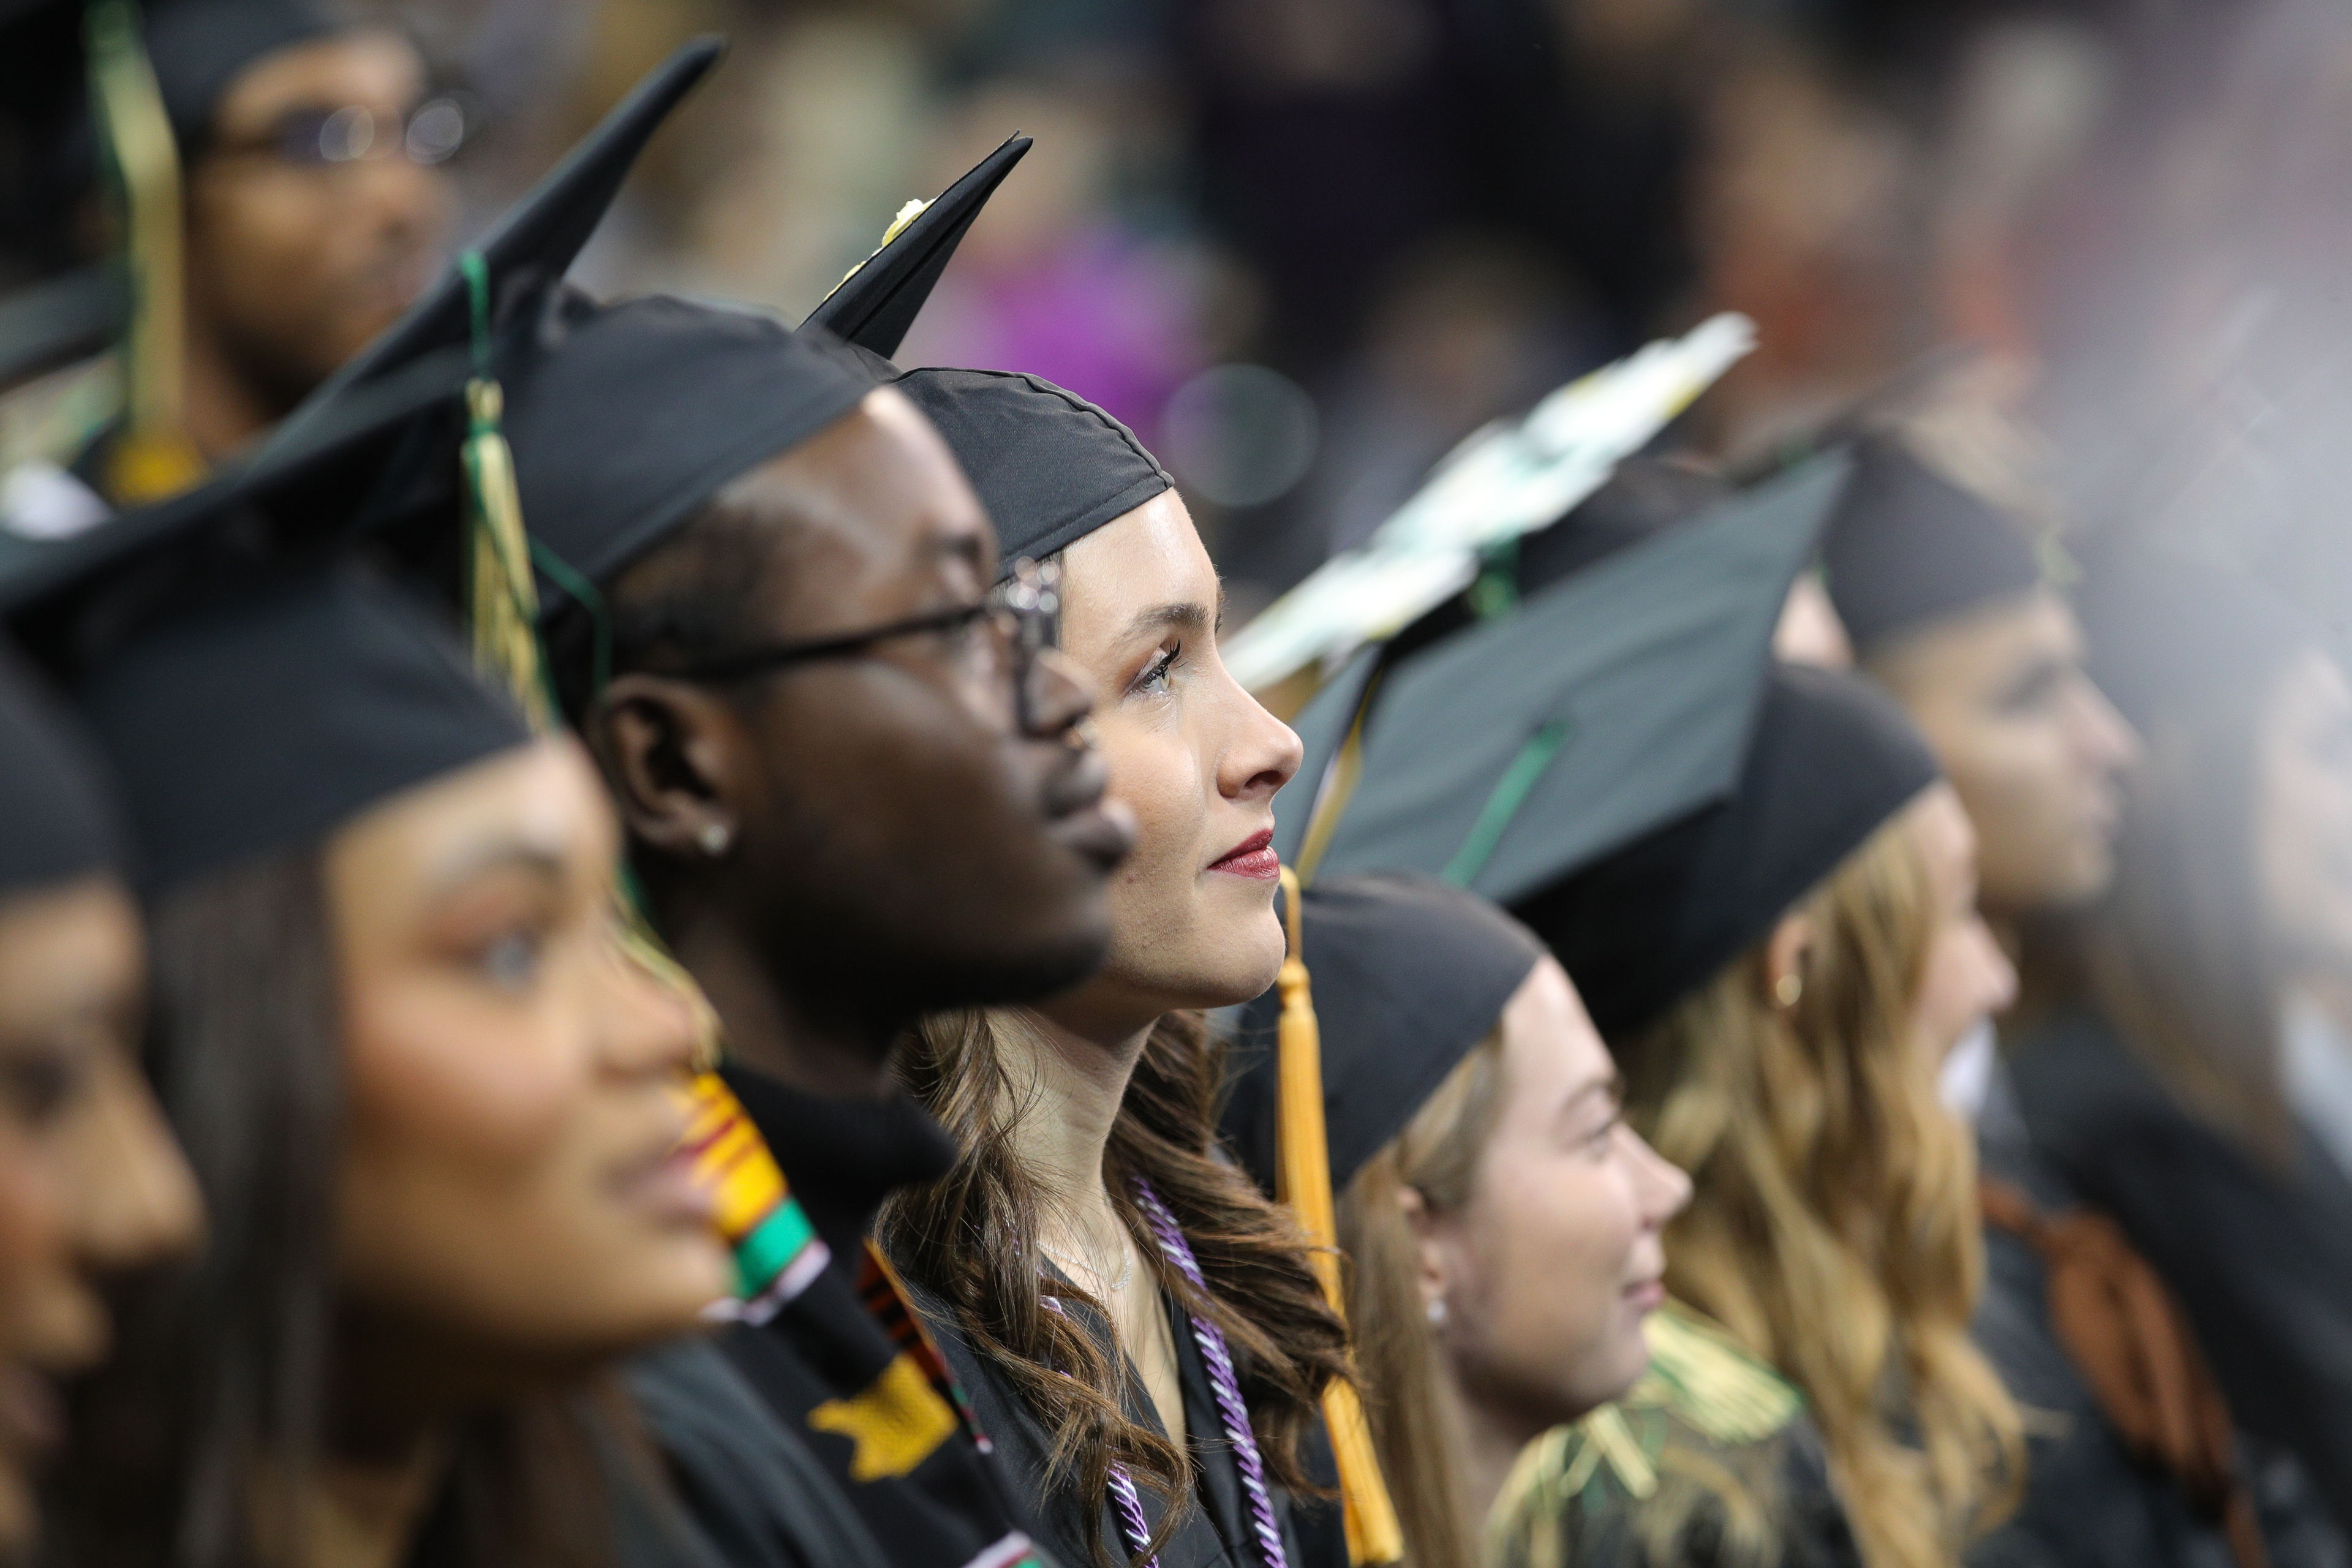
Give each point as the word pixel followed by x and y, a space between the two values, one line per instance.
pixel 54 818
pixel 1909 546
pixel 266 718
pixel 1409 973
pixel 201 47
pixel 1050 467
pixel 636 413
pixel 1510 755
pixel 875 304
pixel 2170 636
pixel 1833 757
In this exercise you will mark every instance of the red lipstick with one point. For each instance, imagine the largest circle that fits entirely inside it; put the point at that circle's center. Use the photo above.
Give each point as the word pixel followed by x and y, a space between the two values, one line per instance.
pixel 1253 858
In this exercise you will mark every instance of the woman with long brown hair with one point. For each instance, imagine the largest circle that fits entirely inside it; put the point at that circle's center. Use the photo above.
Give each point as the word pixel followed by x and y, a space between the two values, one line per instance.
pixel 1768 974
pixel 1500 1221
pixel 435 1113
pixel 1139 1327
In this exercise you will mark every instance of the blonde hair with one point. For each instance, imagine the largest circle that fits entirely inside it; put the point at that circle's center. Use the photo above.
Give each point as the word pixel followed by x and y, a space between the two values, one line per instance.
pixel 1436 1155
pixel 1833 1228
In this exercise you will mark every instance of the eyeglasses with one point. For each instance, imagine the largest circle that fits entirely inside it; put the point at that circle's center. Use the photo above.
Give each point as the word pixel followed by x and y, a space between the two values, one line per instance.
pixel 1024 617
pixel 432 132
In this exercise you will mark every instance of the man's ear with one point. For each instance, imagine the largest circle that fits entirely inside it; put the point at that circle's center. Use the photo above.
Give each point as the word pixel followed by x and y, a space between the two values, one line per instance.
pixel 673 756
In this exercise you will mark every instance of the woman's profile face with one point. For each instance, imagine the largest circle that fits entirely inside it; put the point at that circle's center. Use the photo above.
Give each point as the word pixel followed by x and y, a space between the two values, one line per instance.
pixel 1192 754
pixel 1542 1281
pixel 1966 977
pixel 512 1201
pixel 2303 813
pixel 90 1183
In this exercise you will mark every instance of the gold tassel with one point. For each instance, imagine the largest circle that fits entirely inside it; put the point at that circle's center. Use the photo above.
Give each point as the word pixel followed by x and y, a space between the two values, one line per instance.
pixel 1303 1181
pixel 502 596
pixel 152 458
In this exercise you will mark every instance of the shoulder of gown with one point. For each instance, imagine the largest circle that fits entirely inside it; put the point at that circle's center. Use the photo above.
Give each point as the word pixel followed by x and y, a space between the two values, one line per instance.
pixel 1710 1462
pixel 760 1497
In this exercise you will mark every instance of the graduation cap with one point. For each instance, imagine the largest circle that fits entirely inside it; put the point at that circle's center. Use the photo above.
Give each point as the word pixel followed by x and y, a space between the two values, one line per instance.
pixel 1909 546
pixel 873 305
pixel 1508 756
pixel 55 825
pixel 250 685
pixel 1833 757
pixel 1050 467
pixel 1408 973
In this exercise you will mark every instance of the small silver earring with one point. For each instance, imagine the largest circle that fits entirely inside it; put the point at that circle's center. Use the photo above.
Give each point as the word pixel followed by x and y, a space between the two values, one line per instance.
pixel 1788 990
pixel 715 838
pixel 1437 1311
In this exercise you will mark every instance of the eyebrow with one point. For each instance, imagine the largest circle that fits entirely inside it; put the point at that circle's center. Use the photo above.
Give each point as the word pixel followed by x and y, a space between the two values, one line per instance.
pixel 1180 615
pixel 534 860
pixel 1611 1085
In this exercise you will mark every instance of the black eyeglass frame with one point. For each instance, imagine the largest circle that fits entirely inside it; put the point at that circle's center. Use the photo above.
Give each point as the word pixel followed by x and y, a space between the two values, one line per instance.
pixel 1026 610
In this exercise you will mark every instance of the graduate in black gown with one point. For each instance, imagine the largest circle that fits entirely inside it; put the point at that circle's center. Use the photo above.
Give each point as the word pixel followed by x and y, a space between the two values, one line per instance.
pixel 1140 1328
pixel 852 791
pixel 433 1107
pixel 2159 1091
pixel 299 200
pixel 1500 1222
pixel 94 1187
pixel 1760 970
pixel 1945 601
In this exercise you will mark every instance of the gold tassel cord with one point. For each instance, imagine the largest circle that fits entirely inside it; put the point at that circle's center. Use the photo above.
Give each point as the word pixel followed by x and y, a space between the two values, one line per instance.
pixel 1303 1181
pixel 152 457
pixel 503 598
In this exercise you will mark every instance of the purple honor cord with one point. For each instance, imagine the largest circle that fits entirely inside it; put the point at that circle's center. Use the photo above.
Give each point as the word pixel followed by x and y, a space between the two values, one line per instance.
pixel 1232 1414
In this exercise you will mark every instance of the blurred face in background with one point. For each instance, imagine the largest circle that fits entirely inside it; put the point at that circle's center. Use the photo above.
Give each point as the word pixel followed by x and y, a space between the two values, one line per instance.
pixel 1965 978
pixel 1540 1281
pixel 90 1183
pixel 2303 814
pixel 318 212
pixel 2030 744
pixel 1197 760
pixel 513 1203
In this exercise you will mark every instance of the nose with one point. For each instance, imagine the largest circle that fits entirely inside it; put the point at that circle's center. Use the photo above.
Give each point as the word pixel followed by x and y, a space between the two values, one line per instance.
pixel 1664 1187
pixel 2105 739
pixel 1263 755
pixel 1054 698
pixel 137 1198
pixel 651 1022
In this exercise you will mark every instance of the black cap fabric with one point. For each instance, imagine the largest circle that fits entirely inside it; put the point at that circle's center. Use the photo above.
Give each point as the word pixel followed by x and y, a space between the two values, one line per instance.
pixel 1409 974
pixel 1510 755
pixel 1833 758
pixel 54 824
pixel 266 720
pixel 634 414
pixel 2171 636
pixel 874 305
pixel 201 47
pixel 1908 547
pixel 1050 467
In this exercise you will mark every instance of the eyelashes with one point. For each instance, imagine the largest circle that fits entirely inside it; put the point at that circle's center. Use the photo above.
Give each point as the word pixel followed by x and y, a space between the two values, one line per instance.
pixel 1155 674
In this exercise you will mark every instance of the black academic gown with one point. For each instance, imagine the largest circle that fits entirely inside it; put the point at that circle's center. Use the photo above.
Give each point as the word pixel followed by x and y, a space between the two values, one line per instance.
pixel 826 1369
pixel 1214 1533
pixel 2088 1503
pixel 2260 1263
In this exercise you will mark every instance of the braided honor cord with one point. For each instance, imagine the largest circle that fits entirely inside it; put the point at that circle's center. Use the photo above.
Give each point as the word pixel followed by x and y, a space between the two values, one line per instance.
pixel 1232 1414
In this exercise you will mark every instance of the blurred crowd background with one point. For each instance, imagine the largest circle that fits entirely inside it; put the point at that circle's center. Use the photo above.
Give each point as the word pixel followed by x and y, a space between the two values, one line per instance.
pixel 1304 246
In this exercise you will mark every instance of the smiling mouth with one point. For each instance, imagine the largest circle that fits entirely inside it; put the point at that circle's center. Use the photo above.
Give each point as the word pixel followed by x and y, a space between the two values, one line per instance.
pixel 1253 858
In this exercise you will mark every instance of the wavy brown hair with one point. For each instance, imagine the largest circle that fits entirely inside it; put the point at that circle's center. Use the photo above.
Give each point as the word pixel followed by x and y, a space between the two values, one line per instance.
pixel 971 1238
pixel 1833 1227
